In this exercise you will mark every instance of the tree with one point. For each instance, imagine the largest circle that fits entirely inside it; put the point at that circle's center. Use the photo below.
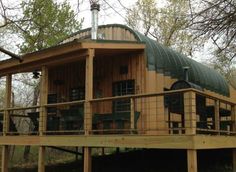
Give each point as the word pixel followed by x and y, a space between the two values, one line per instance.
pixel 168 24
pixel 45 23
pixel 216 21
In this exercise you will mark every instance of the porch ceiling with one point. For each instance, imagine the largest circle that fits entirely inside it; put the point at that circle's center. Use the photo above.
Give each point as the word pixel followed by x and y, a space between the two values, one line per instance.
pixel 64 53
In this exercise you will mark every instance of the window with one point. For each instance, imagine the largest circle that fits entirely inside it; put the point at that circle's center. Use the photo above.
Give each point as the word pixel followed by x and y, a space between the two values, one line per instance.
pixel 122 88
pixel 77 94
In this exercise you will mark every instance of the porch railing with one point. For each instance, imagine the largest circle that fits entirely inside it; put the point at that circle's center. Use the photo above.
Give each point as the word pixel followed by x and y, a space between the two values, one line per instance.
pixel 185 111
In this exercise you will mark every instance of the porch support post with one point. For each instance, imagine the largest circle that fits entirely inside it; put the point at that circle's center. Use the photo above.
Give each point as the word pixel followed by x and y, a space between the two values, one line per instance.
pixel 6 117
pixel 6 123
pixel 88 107
pixel 43 100
pixel 192 160
pixel 217 115
pixel 190 112
pixel 43 116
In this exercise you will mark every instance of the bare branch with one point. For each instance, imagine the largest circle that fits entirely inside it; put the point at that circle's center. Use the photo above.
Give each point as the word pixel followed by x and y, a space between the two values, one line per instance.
pixel 11 54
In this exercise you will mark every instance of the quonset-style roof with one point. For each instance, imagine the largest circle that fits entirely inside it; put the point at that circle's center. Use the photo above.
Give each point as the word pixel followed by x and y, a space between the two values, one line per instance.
pixel 169 62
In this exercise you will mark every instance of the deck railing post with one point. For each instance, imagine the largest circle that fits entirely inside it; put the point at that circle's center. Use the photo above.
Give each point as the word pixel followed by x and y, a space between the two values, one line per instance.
pixel 88 107
pixel 132 115
pixel 233 118
pixel 190 112
pixel 217 115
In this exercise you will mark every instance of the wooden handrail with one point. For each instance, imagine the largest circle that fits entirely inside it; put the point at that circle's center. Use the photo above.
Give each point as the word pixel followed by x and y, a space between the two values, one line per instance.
pixel 145 95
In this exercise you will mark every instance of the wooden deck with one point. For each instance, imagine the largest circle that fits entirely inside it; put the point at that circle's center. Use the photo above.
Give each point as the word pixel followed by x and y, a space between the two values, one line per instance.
pixel 152 118
pixel 196 142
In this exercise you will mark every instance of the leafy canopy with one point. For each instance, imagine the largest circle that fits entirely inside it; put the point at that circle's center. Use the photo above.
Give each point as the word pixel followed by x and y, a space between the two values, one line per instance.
pixel 45 23
pixel 167 23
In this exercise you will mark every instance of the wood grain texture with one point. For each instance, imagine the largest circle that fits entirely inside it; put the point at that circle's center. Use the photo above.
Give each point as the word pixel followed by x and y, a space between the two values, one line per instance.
pixel 192 160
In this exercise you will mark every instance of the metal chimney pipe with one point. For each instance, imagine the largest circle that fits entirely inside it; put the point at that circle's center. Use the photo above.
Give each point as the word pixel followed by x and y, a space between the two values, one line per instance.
pixel 186 68
pixel 95 8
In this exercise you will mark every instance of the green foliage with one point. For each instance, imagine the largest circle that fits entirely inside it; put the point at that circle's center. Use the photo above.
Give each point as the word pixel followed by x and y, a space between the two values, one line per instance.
pixel 45 23
pixel 168 23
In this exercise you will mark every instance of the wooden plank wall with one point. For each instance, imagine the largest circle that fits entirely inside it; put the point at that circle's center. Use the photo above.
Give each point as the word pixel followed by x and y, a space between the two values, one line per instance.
pixel 107 71
pixel 107 33
pixel 63 78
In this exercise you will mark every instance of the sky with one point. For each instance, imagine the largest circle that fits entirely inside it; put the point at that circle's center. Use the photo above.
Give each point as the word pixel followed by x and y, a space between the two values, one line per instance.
pixel 107 15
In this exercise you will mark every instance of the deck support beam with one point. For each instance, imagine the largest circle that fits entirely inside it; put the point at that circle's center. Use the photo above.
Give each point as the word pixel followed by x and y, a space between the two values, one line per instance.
pixel 87 159
pixel 5 158
pixel 88 108
pixel 192 160
pixel 190 116
pixel 41 159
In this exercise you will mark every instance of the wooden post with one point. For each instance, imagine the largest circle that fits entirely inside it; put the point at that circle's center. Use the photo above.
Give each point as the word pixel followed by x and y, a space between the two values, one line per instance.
pixel 88 108
pixel 162 126
pixel 6 117
pixel 43 116
pixel 233 118
pixel 190 116
pixel 43 100
pixel 6 123
pixel 234 160
pixel 132 114
pixel 41 159
pixel 217 115
pixel 5 158
pixel 87 159
pixel 192 160
pixel 88 92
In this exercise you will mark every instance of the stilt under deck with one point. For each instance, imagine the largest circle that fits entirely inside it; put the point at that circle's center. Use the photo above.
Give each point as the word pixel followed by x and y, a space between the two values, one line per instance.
pixel 140 133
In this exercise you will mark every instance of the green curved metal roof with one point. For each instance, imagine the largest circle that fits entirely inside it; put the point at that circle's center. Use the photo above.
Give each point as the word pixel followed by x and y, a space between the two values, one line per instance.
pixel 169 62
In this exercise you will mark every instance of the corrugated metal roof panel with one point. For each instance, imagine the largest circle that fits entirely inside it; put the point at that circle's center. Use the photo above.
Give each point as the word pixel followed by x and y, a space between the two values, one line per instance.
pixel 170 62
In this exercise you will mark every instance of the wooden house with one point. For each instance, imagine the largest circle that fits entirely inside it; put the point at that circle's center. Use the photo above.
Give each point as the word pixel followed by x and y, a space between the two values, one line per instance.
pixel 121 90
